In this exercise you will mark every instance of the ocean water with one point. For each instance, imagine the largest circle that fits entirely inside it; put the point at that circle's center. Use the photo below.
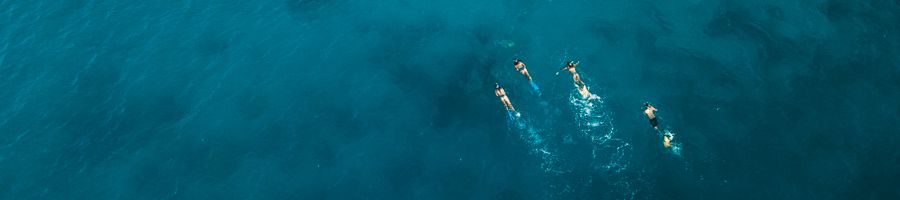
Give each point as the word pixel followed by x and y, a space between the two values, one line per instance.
pixel 393 99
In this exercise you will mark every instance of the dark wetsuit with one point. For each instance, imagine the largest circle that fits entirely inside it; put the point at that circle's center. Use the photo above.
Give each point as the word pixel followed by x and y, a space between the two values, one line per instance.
pixel 654 122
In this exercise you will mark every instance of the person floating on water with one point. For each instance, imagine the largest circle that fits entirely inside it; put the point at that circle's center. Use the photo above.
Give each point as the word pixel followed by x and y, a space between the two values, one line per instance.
pixel 570 66
pixel 649 111
pixel 582 87
pixel 503 98
pixel 520 66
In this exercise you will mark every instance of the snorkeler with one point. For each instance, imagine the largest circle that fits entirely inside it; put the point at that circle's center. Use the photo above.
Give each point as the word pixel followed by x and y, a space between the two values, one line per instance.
pixel 503 98
pixel 667 136
pixel 520 66
pixel 648 110
pixel 582 87
pixel 570 66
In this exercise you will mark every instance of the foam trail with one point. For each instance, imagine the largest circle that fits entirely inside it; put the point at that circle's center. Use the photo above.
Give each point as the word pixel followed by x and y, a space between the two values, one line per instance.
pixel 610 154
pixel 596 124
pixel 535 141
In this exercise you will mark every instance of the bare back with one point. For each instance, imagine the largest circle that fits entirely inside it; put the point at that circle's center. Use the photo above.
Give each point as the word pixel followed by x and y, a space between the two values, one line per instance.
pixel 571 68
pixel 649 112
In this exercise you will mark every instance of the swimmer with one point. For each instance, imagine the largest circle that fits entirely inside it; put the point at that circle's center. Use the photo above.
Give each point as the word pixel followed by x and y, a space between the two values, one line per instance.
pixel 582 87
pixel 520 66
pixel 667 139
pixel 570 66
pixel 648 110
pixel 503 98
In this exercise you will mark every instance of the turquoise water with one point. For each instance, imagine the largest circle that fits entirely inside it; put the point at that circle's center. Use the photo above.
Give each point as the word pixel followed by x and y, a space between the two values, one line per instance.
pixel 352 99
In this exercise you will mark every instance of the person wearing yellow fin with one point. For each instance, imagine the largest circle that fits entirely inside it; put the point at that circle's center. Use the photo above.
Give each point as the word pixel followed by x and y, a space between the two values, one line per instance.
pixel 667 139
pixel 520 66
pixel 503 98
pixel 649 111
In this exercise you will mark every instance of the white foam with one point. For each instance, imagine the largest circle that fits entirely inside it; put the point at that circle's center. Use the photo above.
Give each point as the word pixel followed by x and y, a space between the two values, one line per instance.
pixel 609 152
pixel 532 136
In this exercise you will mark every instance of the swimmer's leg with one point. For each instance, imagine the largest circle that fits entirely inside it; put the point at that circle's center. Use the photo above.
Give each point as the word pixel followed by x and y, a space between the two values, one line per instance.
pixel 525 71
pixel 667 139
pixel 584 92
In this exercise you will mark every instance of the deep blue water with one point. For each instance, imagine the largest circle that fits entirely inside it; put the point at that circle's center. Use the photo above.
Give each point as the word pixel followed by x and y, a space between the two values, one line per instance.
pixel 393 99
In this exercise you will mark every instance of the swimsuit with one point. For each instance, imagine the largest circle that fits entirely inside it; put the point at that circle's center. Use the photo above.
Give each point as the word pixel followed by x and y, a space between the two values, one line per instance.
pixel 520 69
pixel 654 122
